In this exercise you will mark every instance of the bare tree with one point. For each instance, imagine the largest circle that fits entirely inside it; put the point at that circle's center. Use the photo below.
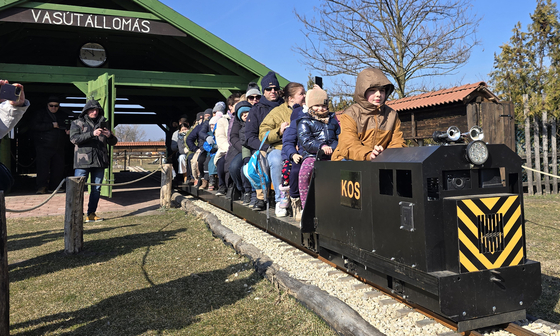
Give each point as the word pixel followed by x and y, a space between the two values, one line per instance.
pixel 130 133
pixel 406 39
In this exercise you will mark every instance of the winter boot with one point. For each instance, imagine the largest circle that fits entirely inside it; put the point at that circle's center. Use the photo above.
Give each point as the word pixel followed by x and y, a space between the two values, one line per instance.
pixel 296 208
pixel 284 202
pixel 203 184
pixel 212 183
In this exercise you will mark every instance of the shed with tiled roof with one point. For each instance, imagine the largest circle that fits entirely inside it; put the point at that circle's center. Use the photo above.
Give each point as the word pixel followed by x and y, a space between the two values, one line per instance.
pixel 462 106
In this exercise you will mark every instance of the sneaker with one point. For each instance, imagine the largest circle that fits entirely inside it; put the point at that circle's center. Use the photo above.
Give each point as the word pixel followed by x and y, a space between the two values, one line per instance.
pixel 279 211
pixel 92 217
pixel 253 199
pixel 259 205
pixel 246 198
pixel 284 202
pixel 221 191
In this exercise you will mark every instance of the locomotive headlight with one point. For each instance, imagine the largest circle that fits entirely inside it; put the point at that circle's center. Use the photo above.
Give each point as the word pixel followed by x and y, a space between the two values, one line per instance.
pixel 477 152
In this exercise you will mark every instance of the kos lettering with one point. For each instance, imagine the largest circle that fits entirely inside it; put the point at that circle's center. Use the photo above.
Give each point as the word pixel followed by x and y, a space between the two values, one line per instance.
pixel 350 189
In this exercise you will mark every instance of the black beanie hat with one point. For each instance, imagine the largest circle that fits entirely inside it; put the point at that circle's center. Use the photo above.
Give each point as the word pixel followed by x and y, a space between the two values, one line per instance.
pixel 208 111
pixel 200 115
pixel 53 99
pixel 270 79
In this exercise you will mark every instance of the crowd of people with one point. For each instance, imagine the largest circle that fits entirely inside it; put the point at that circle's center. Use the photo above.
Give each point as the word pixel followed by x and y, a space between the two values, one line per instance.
pixel 292 128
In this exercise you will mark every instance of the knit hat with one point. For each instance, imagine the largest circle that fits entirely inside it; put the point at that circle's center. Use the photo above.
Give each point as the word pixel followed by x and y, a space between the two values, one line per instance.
pixel 53 99
pixel 199 115
pixel 316 96
pixel 208 111
pixel 242 107
pixel 253 90
pixel 214 120
pixel 220 106
pixel 269 79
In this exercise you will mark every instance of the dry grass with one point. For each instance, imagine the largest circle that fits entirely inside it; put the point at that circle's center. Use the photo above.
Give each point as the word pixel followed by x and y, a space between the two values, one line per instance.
pixel 161 274
pixel 542 228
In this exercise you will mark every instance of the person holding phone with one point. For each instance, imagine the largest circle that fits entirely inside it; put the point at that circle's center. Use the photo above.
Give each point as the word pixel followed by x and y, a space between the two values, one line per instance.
pixel 11 111
pixel 90 135
pixel 50 133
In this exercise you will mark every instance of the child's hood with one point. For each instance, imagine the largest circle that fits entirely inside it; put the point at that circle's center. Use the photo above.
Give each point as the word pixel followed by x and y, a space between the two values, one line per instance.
pixel 368 78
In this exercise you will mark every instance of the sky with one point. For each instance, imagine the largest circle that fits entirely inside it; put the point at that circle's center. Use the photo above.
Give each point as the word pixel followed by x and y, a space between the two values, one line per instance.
pixel 268 31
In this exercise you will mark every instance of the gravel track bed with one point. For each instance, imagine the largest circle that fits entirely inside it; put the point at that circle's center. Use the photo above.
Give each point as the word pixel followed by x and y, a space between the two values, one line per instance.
pixel 388 316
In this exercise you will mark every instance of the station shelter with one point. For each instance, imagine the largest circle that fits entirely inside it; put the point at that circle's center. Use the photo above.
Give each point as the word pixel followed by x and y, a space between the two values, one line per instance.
pixel 144 62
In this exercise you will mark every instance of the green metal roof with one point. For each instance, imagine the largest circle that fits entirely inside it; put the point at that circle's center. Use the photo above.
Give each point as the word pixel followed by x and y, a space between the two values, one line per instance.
pixel 191 68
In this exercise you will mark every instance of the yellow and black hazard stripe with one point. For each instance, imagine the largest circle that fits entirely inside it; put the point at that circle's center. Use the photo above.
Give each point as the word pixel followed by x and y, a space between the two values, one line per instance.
pixel 490 233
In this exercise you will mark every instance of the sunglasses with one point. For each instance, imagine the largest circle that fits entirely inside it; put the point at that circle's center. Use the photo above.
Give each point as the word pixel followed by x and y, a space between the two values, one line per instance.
pixel 254 97
pixel 51 105
pixel 271 89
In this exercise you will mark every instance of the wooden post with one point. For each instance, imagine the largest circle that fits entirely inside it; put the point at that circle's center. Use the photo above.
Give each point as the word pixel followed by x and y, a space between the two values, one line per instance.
pixel 554 154
pixel 529 162
pixel 74 216
pixel 546 168
pixel 537 150
pixel 4 281
pixel 166 186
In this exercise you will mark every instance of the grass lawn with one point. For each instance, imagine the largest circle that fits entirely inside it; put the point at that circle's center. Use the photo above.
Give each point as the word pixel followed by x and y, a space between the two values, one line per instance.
pixel 542 229
pixel 164 274
pixel 160 274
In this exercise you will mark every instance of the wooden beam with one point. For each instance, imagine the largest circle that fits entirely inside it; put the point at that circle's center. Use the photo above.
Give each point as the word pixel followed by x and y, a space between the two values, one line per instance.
pixel 60 74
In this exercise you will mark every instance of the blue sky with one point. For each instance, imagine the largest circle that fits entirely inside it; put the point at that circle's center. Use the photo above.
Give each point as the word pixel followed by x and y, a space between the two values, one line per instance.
pixel 268 30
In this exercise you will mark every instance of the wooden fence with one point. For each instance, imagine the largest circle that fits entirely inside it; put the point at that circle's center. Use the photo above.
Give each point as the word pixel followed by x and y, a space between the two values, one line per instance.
pixel 541 153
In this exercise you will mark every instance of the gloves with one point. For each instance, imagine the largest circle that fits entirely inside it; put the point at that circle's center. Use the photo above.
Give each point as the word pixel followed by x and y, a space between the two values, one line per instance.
pixel 210 140
pixel 297 158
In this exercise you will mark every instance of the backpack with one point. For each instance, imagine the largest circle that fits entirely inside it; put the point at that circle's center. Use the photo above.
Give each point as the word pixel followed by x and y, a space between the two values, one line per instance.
pixel 257 170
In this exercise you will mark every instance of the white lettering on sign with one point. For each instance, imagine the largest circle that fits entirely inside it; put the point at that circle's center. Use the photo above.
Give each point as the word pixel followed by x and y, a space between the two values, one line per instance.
pixel 91 21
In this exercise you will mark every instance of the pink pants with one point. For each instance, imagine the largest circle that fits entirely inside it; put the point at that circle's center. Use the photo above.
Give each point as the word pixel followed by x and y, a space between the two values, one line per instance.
pixel 305 178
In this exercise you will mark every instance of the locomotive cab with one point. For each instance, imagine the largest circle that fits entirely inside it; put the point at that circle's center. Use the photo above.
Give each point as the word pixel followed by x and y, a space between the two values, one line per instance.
pixel 434 224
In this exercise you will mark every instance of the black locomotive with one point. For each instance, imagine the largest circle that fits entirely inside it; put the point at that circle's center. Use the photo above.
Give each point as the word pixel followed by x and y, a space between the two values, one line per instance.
pixel 440 226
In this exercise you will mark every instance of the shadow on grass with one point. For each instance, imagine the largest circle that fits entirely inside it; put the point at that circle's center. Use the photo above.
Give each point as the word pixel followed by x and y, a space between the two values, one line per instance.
pixel 93 252
pixel 170 306
pixel 15 242
pixel 545 305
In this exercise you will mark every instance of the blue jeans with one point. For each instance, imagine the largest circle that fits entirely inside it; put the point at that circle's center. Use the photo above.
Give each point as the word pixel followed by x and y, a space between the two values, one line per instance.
pixel 96 177
pixel 275 162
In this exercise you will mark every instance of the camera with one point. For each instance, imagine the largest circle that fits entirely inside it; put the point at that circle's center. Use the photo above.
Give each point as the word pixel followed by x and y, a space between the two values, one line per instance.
pixel 10 92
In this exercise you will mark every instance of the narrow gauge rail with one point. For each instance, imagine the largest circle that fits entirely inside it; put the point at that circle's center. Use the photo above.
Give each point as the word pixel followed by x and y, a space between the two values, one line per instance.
pixel 279 229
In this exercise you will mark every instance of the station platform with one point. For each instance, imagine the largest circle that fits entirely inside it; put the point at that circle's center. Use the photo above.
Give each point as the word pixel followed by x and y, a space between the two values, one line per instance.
pixel 135 198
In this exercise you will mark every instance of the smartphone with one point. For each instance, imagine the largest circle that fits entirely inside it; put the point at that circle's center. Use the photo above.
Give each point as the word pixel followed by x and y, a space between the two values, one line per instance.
pixel 103 125
pixel 319 81
pixel 10 92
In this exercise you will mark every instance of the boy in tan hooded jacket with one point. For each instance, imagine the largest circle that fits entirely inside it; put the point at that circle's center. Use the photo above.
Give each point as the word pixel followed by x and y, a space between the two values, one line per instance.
pixel 369 126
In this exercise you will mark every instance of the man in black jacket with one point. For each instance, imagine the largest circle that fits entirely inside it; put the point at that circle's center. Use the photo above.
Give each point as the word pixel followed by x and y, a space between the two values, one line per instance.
pixel 90 137
pixel 271 98
pixel 50 131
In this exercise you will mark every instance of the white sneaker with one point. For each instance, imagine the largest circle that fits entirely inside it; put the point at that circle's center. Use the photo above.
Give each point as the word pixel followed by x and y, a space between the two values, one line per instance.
pixel 279 212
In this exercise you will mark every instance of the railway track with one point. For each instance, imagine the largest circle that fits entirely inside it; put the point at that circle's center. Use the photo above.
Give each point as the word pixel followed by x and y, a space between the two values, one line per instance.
pixel 447 326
